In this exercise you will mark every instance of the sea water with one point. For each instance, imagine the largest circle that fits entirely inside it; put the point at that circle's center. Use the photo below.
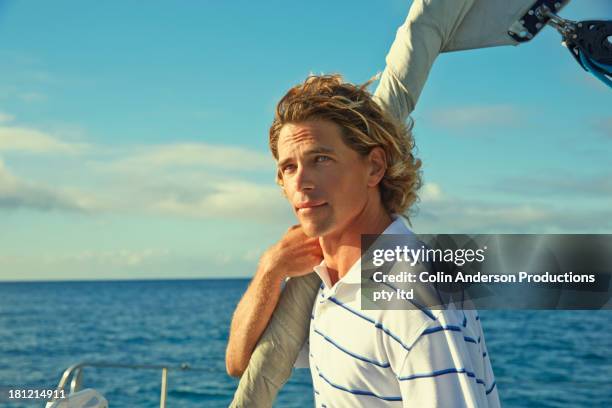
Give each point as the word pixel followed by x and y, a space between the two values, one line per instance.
pixel 540 358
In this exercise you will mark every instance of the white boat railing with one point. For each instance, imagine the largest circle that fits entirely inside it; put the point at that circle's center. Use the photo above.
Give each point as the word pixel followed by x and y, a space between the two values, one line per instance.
pixel 74 374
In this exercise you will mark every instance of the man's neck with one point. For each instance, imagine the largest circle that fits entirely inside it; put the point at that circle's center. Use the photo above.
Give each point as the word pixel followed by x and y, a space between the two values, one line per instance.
pixel 342 250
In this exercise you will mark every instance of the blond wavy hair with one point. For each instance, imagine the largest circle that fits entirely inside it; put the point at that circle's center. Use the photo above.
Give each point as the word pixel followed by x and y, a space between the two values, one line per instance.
pixel 365 125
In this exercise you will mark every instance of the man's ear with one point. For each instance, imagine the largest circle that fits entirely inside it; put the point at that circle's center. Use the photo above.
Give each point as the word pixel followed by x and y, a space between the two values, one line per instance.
pixel 378 166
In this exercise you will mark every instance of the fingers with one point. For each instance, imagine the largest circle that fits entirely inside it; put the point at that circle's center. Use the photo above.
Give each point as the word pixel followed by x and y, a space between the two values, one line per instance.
pixel 295 237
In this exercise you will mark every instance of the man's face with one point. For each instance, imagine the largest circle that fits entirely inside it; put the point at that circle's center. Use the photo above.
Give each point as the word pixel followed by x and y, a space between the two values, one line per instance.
pixel 324 180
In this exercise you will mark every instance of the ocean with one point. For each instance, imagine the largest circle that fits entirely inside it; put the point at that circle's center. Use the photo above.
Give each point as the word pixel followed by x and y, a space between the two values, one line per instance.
pixel 540 358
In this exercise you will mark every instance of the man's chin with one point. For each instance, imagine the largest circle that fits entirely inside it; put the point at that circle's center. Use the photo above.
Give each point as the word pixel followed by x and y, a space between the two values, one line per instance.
pixel 311 233
pixel 313 230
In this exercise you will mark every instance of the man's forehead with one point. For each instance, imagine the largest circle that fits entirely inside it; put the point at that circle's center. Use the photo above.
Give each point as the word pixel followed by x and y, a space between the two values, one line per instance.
pixel 319 135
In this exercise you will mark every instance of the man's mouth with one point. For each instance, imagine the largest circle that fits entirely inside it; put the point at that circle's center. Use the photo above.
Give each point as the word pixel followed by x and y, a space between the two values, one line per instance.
pixel 309 206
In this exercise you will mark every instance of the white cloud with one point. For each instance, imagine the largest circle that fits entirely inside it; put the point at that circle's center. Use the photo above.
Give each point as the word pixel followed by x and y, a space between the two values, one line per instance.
pixel 231 199
pixel 176 180
pixel 461 216
pixel 21 139
pixel 476 115
pixel 115 258
pixel 17 193
pixel 89 264
pixel 127 263
pixel 452 214
pixel 5 117
pixel 430 192
pixel 252 255
pixel 561 184
pixel 194 180
pixel 193 155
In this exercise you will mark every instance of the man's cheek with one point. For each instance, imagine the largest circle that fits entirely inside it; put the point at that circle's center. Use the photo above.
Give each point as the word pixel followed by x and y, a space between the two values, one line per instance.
pixel 286 193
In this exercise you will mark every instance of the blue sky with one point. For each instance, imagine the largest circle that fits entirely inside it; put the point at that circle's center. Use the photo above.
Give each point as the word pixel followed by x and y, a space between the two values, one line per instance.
pixel 133 139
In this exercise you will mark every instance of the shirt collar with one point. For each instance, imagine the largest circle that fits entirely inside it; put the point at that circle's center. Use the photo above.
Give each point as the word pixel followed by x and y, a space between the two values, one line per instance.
pixel 398 226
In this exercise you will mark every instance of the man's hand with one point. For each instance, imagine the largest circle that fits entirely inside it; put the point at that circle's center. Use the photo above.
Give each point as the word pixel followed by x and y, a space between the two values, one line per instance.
pixel 294 255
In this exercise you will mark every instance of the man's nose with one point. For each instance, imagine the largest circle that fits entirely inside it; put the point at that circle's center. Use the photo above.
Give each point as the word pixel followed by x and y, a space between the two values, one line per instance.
pixel 303 179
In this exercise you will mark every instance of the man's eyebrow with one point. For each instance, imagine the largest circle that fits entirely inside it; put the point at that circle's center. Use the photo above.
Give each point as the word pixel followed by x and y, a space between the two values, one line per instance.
pixel 310 152
pixel 320 149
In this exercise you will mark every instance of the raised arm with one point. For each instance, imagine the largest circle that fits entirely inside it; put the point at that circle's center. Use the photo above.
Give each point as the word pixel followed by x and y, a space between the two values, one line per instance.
pixel 427 31
pixel 272 360
pixel 436 26
pixel 294 255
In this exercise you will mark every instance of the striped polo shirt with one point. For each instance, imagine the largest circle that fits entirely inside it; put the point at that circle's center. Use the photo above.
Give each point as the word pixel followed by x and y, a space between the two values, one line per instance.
pixel 394 358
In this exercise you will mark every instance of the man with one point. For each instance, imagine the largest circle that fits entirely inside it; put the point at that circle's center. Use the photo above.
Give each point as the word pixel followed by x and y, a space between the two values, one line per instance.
pixel 431 27
pixel 347 169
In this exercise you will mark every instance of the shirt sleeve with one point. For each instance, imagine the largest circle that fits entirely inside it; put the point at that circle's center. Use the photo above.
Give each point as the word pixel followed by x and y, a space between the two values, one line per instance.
pixel 303 360
pixel 273 359
pixel 427 29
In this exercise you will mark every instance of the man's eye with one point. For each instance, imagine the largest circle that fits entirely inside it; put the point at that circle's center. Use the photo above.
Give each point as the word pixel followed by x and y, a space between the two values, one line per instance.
pixel 320 159
pixel 289 167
